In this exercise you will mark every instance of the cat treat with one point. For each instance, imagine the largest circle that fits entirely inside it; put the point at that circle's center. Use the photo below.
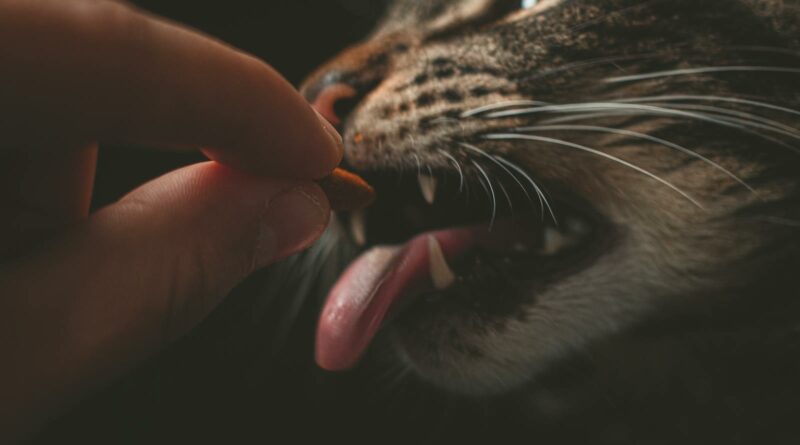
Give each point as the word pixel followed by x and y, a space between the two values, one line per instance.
pixel 347 191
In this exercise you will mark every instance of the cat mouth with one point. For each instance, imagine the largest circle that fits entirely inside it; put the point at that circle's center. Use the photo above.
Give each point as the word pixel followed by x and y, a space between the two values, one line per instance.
pixel 438 237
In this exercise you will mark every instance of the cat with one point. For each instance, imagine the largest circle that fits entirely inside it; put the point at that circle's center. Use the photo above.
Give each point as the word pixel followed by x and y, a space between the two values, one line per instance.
pixel 586 231
pixel 628 171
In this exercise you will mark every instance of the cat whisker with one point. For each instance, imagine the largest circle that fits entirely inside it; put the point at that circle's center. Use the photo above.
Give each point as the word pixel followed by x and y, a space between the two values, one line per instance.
pixel 641 109
pixel 430 170
pixel 543 202
pixel 689 97
pixel 700 70
pixel 508 197
pixel 419 164
pixel 602 106
pixel 743 123
pixel 748 117
pixel 604 115
pixel 586 116
pixel 491 191
pixel 458 168
pixel 644 136
pixel 499 106
pixel 514 136
pixel 505 169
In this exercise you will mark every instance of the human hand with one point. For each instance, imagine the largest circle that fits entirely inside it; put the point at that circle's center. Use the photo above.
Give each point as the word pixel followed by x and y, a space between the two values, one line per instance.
pixel 85 297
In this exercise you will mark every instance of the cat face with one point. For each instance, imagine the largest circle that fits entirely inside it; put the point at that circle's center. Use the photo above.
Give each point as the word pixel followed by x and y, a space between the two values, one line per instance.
pixel 553 173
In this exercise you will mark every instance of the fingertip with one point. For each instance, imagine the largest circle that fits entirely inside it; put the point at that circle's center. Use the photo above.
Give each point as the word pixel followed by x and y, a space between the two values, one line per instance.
pixel 324 156
pixel 306 148
pixel 284 136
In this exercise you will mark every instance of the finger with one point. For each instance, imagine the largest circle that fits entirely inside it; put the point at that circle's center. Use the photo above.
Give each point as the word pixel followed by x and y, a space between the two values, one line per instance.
pixel 86 70
pixel 138 275
pixel 41 192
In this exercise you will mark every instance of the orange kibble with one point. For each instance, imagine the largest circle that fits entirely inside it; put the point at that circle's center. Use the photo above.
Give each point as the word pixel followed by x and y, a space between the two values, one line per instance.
pixel 347 191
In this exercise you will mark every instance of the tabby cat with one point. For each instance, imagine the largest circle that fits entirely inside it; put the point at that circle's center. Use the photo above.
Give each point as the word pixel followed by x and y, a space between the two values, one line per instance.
pixel 588 209
pixel 587 231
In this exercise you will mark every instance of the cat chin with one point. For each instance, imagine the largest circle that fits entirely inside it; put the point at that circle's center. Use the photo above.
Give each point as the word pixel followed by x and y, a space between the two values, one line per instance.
pixel 455 373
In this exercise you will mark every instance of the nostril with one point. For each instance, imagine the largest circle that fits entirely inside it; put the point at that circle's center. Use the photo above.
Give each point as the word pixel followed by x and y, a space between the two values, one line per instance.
pixel 335 102
pixel 344 107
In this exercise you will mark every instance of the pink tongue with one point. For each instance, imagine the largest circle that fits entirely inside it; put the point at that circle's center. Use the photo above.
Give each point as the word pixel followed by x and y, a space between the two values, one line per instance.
pixel 370 288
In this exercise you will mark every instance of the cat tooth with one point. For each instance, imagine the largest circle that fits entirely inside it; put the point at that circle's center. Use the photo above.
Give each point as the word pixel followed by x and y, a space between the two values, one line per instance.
pixel 427 184
pixel 441 273
pixel 358 227
pixel 553 241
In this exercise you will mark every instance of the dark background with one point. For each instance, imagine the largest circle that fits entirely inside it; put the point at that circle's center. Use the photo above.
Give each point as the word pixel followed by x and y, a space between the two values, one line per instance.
pixel 294 36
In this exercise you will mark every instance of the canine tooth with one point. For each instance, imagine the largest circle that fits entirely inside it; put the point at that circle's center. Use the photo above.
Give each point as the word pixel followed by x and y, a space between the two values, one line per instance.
pixel 441 274
pixel 553 241
pixel 427 184
pixel 358 227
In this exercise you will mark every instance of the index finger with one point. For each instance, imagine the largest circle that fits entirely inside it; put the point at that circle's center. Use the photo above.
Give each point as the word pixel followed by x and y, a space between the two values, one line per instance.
pixel 86 70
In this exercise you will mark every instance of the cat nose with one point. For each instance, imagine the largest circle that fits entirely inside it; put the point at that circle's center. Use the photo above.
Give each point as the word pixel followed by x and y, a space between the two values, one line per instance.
pixel 337 87
pixel 334 101
pixel 335 92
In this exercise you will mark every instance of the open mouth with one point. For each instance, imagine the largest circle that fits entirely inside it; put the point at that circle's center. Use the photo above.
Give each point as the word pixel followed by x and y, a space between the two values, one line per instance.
pixel 437 236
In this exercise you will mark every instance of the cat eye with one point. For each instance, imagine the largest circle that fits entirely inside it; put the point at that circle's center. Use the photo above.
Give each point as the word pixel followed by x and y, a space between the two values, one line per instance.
pixel 502 9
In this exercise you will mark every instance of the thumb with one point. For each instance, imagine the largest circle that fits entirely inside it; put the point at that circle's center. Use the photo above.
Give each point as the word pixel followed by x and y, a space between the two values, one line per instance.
pixel 139 274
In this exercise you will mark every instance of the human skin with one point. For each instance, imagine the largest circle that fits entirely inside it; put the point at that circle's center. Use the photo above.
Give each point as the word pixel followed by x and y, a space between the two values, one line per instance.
pixel 85 297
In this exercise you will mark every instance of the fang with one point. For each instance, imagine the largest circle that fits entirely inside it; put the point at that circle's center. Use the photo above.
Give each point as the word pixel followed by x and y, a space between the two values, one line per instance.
pixel 441 274
pixel 358 228
pixel 427 185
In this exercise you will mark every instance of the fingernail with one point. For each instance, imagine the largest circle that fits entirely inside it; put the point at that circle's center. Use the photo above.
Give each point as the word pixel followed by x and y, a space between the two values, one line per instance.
pixel 292 222
pixel 334 135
